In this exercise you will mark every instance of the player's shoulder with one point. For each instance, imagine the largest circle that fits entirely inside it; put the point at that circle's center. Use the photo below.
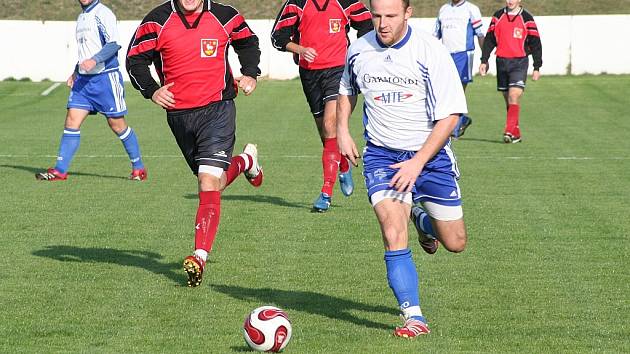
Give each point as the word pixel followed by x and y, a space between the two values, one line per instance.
pixel 420 36
pixel 527 16
pixel 160 13
pixel 347 3
pixel 471 6
pixel 444 8
pixel 224 13
pixel 368 40
pixel 101 10
pixel 499 13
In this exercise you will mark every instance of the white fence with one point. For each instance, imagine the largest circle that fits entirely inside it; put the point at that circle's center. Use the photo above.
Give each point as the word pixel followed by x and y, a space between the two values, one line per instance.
pixel 571 45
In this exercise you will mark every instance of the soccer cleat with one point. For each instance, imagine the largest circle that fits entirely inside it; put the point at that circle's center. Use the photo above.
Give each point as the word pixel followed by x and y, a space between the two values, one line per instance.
pixel 463 123
pixel 254 173
pixel 139 174
pixel 511 139
pixel 411 329
pixel 346 184
pixel 428 243
pixel 322 203
pixel 194 267
pixel 51 175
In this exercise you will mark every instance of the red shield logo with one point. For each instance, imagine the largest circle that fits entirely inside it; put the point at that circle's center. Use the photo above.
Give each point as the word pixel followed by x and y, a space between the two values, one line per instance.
pixel 518 33
pixel 334 25
pixel 209 48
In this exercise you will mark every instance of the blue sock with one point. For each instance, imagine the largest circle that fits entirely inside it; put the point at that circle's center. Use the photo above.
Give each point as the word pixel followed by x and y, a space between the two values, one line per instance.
pixel 130 142
pixel 424 222
pixel 70 141
pixel 403 280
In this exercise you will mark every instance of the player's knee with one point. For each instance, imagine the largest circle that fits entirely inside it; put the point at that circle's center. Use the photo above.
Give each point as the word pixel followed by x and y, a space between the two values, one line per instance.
pixel 455 241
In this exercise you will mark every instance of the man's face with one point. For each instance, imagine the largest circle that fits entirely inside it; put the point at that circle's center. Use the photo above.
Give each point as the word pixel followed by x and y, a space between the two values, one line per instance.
pixel 85 2
pixel 190 6
pixel 390 20
pixel 512 4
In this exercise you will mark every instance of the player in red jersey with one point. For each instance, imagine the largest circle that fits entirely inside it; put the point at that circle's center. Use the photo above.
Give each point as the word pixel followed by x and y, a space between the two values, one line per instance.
pixel 316 32
pixel 187 41
pixel 515 35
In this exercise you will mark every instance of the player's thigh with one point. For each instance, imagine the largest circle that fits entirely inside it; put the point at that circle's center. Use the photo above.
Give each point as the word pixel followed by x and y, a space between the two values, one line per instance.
pixel 75 117
pixel 463 63
pixel 216 134
pixel 517 68
pixel 378 174
pixel 393 219
pixel 503 74
pixel 107 94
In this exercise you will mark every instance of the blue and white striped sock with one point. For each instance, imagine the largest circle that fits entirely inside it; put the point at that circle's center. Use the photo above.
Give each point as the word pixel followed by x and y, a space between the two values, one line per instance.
pixel 130 142
pixel 70 141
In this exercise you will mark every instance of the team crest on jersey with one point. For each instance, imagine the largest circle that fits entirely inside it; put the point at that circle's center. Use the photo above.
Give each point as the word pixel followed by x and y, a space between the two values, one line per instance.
pixel 334 25
pixel 518 33
pixel 209 48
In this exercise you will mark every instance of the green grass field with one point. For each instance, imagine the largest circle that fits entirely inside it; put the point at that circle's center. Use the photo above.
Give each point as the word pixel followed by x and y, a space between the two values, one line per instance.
pixel 93 264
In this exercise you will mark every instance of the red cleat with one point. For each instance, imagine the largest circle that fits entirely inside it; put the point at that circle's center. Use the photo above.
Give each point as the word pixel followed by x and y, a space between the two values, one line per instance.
pixel 411 329
pixel 51 175
pixel 139 174
pixel 254 173
pixel 194 267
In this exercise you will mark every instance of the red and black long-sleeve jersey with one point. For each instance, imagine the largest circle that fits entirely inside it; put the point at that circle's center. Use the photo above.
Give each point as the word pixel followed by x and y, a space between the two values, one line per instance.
pixel 514 36
pixel 322 25
pixel 191 51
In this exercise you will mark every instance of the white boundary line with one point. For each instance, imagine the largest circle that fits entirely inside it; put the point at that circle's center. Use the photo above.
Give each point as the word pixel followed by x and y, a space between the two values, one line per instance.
pixel 51 88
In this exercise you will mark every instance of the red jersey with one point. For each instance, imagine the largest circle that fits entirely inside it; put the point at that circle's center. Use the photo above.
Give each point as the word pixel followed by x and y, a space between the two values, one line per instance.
pixel 322 25
pixel 191 52
pixel 514 36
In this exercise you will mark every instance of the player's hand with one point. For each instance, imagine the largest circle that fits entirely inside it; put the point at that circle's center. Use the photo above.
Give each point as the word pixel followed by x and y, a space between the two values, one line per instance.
pixel 308 54
pixel 535 75
pixel 88 64
pixel 483 69
pixel 405 178
pixel 70 81
pixel 348 148
pixel 163 97
pixel 247 84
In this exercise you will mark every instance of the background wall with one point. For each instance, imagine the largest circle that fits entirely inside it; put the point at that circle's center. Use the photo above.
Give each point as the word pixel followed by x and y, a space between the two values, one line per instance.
pixel 571 45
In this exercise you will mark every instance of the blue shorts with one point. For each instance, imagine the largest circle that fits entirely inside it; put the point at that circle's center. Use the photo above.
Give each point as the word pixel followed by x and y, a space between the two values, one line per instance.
pixel 437 182
pixel 102 93
pixel 464 62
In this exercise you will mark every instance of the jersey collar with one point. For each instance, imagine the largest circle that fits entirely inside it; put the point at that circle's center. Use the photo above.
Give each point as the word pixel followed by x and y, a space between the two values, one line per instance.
pixel 398 44
pixel 458 5
pixel 91 6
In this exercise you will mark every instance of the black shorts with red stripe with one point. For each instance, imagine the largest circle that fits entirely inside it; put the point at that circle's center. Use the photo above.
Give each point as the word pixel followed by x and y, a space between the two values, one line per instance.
pixel 205 135
pixel 511 72
pixel 320 86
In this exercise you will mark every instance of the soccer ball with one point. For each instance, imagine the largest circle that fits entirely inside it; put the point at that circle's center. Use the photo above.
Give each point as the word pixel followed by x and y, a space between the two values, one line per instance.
pixel 267 329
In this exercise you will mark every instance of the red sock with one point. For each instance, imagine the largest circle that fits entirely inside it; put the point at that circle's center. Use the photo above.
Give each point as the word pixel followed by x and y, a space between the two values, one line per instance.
pixel 330 164
pixel 237 166
pixel 511 125
pixel 207 220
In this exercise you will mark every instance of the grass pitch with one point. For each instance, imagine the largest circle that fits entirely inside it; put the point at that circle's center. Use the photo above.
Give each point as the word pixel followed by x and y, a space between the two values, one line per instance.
pixel 93 264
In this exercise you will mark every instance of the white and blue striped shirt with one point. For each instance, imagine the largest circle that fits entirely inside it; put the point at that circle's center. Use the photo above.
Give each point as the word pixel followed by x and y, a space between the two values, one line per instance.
pixel 407 87
pixel 457 26
pixel 96 26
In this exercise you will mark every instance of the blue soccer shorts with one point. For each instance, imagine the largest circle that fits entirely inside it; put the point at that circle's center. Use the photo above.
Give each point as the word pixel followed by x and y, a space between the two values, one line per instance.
pixel 436 188
pixel 103 93
pixel 463 63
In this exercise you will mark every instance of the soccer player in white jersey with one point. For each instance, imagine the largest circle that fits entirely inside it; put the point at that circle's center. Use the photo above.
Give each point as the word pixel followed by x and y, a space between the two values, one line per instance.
pixel 412 100
pixel 96 86
pixel 457 24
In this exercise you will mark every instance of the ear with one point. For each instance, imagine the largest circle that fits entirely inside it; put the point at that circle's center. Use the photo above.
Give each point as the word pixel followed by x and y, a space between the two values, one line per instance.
pixel 408 12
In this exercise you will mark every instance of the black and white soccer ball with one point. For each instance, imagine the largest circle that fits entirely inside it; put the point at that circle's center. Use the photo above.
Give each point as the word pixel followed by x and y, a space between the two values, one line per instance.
pixel 267 329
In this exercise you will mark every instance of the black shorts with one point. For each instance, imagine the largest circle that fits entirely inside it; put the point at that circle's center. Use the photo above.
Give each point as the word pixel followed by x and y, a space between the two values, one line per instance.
pixel 205 135
pixel 511 72
pixel 320 86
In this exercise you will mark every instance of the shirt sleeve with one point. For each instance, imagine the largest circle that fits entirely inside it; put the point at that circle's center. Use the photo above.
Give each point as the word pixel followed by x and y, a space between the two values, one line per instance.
pixel 445 95
pixel 245 44
pixel 285 28
pixel 348 85
pixel 476 21
pixel 107 26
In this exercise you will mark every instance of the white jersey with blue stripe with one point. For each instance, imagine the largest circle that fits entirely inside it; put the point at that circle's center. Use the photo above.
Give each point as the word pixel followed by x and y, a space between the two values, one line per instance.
pixel 457 26
pixel 96 26
pixel 407 87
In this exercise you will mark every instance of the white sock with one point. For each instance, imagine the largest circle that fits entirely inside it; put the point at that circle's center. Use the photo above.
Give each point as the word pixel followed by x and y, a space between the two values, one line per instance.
pixel 203 254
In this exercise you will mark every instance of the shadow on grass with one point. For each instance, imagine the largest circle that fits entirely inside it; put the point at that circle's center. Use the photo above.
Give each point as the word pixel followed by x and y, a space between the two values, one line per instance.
pixel 493 141
pixel 315 303
pixel 132 258
pixel 265 199
pixel 35 170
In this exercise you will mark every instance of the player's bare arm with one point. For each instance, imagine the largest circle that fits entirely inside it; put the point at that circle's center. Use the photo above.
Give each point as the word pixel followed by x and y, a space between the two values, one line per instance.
pixel 163 97
pixel 408 171
pixel 347 147
pixel 309 54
